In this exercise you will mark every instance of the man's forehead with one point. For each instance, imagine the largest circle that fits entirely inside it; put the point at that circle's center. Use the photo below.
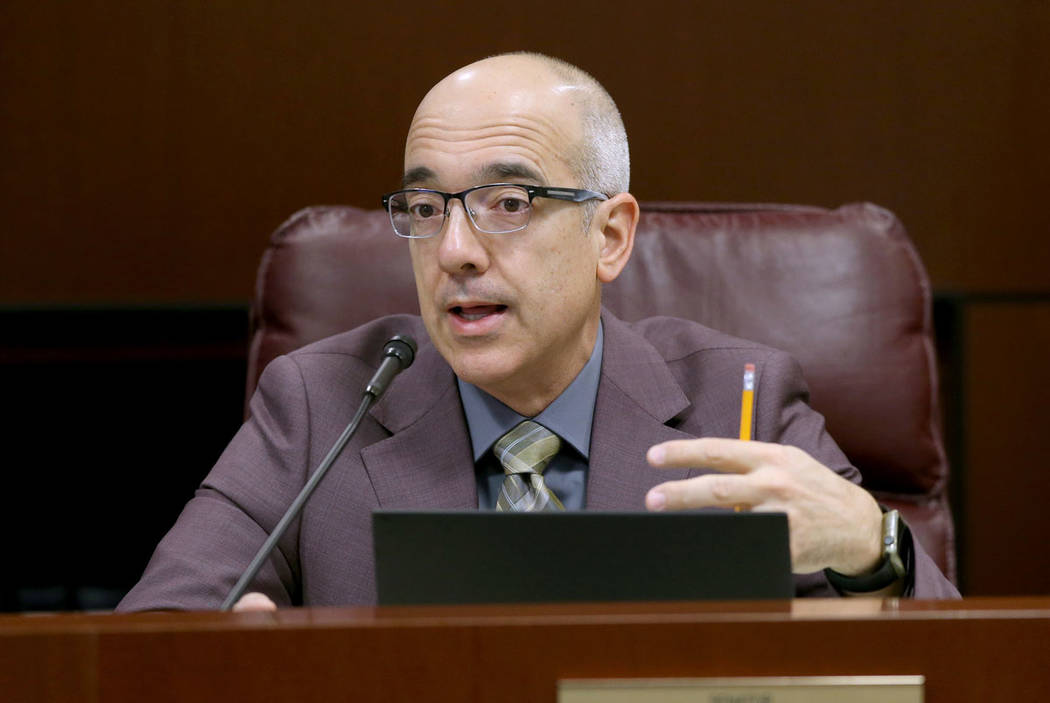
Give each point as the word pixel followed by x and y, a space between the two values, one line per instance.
pixel 494 172
pixel 473 119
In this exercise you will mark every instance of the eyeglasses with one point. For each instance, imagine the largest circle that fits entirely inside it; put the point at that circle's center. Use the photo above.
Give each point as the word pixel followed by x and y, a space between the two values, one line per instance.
pixel 496 208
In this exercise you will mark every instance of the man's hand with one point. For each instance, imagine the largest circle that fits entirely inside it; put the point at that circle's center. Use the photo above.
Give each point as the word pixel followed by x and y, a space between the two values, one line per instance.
pixel 253 602
pixel 833 522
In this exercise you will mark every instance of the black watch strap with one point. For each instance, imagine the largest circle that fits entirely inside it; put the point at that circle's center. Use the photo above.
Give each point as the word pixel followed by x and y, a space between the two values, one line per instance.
pixel 896 560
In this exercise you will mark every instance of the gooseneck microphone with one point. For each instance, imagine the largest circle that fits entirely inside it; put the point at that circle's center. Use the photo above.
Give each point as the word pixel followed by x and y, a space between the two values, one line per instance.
pixel 398 354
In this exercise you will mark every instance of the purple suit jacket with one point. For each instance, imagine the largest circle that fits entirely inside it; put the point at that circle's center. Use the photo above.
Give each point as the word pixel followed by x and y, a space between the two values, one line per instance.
pixel 661 379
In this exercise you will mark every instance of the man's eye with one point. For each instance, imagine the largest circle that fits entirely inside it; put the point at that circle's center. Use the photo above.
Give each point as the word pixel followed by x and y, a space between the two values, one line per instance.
pixel 513 204
pixel 424 210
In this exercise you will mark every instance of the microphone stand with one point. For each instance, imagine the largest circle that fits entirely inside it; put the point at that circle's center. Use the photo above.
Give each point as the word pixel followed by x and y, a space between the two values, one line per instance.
pixel 398 355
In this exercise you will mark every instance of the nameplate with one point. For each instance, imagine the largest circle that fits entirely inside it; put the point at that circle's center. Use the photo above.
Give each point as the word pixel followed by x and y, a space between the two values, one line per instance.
pixel 777 689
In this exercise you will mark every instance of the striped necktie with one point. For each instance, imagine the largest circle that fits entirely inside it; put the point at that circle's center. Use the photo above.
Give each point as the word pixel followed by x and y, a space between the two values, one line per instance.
pixel 524 453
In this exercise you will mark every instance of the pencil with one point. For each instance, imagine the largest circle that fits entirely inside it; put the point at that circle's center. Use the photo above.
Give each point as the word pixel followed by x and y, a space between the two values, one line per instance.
pixel 747 402
pixel 747 411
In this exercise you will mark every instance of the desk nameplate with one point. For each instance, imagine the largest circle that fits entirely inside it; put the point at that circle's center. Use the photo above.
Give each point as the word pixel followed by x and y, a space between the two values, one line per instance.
pixel 773 689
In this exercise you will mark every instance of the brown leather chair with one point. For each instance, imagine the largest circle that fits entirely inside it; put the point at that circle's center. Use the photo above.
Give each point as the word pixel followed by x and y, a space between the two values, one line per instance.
pixel 842 290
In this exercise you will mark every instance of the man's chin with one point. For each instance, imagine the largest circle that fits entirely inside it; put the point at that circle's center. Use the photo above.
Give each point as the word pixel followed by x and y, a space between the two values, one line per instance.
pixel 485 368
pixel 484 376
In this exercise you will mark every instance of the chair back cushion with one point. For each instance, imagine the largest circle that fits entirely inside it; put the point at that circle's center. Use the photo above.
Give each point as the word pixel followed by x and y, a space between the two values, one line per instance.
pixel 842 290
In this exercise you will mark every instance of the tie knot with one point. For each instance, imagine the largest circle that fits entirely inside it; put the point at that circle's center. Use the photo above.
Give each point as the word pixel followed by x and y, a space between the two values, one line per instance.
pixel 527 448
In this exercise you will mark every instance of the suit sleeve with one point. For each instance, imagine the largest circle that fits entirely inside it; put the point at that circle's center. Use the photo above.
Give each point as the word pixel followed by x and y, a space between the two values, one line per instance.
pixel 783 415
pixel 236 507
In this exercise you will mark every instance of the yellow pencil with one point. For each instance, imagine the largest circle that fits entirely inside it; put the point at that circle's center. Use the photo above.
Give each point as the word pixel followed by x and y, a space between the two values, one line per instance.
pixel 747 411
pixel 747 402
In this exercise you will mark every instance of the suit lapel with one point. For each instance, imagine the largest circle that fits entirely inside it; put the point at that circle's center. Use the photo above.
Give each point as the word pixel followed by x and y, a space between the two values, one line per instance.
pixel 637 397
pixel 425 464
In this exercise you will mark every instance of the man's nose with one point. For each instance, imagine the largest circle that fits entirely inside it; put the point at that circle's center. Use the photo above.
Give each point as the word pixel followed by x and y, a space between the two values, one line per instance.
pixel 461 249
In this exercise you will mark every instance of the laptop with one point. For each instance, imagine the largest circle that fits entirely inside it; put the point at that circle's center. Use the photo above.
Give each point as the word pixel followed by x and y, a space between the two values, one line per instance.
pixel 438 557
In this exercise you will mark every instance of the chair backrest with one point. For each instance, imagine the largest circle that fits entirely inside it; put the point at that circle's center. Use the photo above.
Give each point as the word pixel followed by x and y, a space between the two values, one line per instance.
pixel 842 290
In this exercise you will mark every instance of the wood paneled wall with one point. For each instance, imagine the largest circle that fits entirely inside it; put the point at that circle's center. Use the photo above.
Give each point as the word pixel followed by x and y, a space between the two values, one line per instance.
pixel 148 148
pixel 1006 528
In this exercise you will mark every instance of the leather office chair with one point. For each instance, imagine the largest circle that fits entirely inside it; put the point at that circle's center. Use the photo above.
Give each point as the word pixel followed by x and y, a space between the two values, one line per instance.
pixel 842 290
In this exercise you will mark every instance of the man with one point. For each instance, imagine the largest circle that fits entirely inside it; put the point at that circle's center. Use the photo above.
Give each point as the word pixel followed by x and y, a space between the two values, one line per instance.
pixel 516 206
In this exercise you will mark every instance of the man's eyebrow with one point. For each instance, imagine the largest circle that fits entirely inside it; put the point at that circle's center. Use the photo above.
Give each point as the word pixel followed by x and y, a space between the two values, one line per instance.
pixel 417 175
pixel 507 171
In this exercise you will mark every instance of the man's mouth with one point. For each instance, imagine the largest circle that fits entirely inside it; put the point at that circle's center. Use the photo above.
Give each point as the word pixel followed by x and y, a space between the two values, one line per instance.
pixel 476 312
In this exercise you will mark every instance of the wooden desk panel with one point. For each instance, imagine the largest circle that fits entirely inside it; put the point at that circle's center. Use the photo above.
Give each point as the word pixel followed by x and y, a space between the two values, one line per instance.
pixel 979 649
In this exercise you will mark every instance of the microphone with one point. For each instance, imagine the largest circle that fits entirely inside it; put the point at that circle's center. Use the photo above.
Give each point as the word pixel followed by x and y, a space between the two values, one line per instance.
pixel 398 354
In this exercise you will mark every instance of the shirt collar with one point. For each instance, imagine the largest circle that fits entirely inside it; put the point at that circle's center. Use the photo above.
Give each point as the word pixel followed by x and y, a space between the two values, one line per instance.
pixel 570 416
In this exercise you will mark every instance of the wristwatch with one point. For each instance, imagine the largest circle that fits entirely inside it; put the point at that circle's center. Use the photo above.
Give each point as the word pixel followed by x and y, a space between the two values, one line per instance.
pixel 896 541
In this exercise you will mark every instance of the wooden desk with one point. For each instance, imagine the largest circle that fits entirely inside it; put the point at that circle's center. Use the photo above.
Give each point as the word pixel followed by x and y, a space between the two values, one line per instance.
pixel 974 650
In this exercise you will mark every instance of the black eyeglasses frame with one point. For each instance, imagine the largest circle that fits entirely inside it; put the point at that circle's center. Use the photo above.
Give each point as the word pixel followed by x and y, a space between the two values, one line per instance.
pixel 574 195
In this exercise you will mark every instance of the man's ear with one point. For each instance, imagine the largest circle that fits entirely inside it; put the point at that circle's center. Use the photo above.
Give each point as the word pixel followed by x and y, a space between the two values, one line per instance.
pixel 616 219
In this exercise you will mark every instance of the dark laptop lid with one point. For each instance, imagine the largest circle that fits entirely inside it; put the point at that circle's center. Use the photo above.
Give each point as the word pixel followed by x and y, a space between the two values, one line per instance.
pixel 492 557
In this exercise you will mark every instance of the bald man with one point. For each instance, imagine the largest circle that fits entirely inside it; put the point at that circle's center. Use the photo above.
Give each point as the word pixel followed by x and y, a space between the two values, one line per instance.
pixel 516 209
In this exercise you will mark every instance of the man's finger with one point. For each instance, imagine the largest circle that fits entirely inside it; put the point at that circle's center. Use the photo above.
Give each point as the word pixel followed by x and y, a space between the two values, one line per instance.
pixel 731 455
pixel 254 602
pixel 725 490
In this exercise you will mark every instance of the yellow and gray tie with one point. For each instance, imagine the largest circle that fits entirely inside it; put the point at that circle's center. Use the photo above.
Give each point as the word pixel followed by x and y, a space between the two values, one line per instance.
pixel 524 453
